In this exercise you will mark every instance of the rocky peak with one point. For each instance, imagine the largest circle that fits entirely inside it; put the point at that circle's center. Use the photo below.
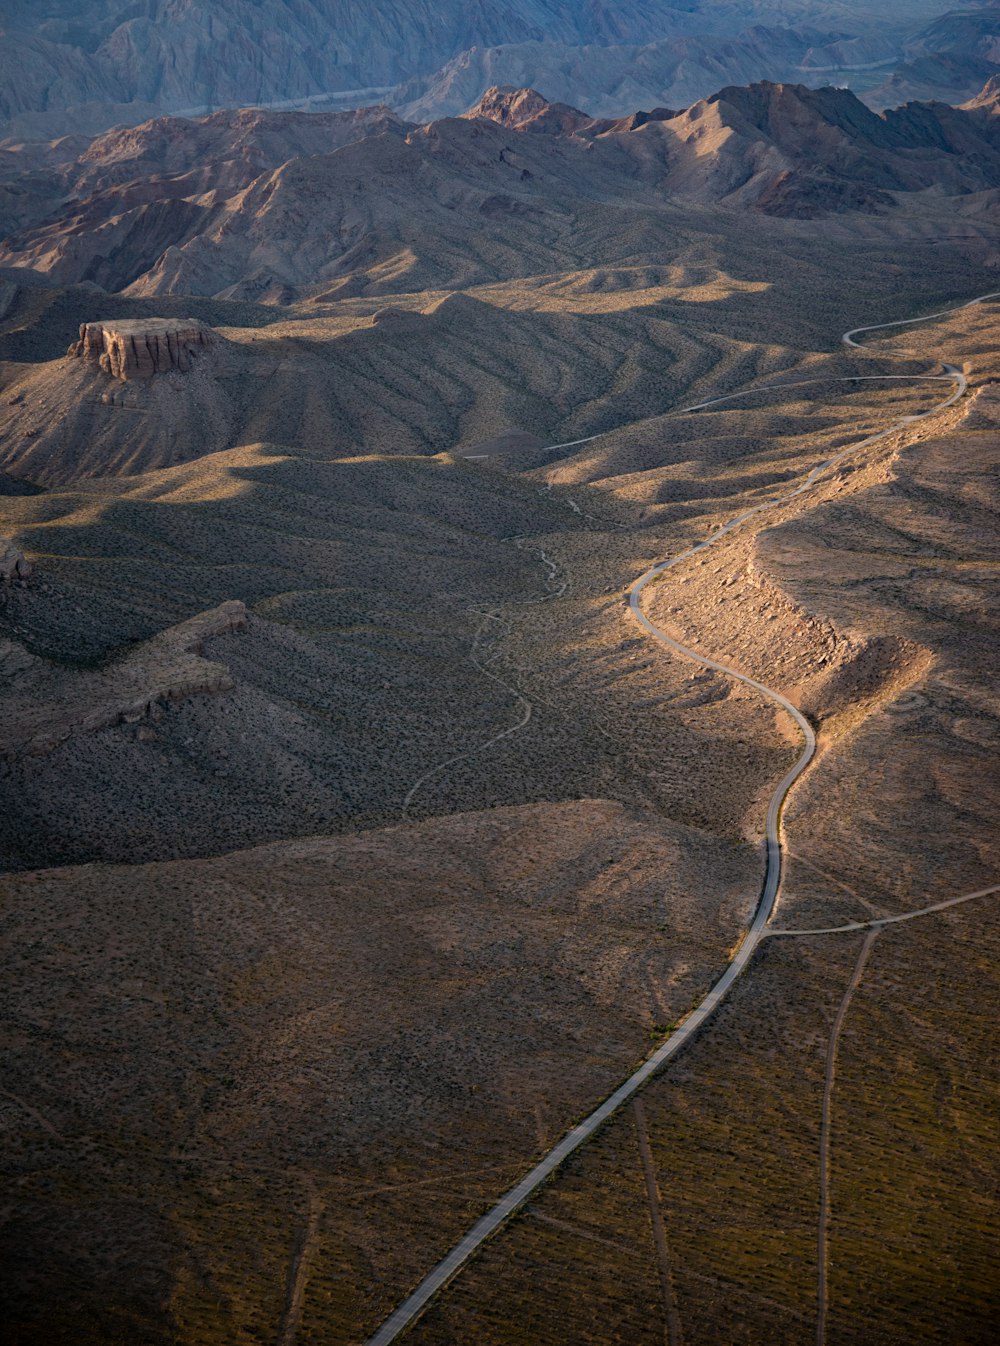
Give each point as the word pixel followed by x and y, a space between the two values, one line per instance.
pixel 508 106
pixel 521 109
pixel 988 96
pixel 140 348
pixel 792 113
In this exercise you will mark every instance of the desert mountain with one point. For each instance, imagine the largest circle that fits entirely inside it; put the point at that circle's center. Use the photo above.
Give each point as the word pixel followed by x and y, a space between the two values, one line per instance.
pixel 353 817
pixel 385 207
pixel 156 53
pixel 63 69
pixel 616 79
pixel 948 60
pixel 428 552
pixel 209 156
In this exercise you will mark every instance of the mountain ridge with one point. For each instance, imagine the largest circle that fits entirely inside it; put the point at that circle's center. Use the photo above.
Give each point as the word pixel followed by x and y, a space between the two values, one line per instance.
pixel 288 204
pixel 128 60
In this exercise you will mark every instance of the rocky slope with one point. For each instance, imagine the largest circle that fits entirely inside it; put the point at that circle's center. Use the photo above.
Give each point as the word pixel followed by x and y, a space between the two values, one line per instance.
pixel 270 1063
pixel 46 705
pixel 613 81
pixel 389 211
pixel 127 61
pixel 155 54
pixel 356 1003
pixel 211 157
pixel 907 551
pixel 948 60
pixel 131 394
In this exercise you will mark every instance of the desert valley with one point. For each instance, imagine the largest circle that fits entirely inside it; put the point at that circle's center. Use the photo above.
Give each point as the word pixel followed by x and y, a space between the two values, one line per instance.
pixel 498 613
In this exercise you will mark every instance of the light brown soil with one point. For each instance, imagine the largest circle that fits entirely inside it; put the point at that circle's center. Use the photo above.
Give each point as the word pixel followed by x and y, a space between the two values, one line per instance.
pixel 895 815
pixel 246 1017
pixel 396 1022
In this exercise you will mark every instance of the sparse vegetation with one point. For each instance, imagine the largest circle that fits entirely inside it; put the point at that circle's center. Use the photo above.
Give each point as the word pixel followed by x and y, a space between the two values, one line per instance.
pixel 273 1048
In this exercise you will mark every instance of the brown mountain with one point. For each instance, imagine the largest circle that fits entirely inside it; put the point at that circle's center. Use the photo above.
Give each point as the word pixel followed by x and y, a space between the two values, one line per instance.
pixel 243 207
pixel 171 158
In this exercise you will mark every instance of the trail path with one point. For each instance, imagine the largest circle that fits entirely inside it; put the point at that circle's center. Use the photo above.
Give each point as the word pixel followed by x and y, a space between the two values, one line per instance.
pixel 879 922
pixel 500 1213
pixel 554 589
pixel 822 1251
pixel 298 1271
pixel 673 1335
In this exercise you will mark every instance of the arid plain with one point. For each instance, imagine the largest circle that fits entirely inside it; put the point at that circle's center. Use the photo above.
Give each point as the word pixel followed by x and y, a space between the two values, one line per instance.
pixel 358 841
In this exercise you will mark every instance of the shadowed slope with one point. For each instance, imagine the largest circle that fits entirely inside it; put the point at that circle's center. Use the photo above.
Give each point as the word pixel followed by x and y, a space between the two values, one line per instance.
pixel 391 211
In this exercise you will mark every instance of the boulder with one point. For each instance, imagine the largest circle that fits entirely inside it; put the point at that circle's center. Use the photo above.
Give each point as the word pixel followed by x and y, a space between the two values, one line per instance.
pixel 14 565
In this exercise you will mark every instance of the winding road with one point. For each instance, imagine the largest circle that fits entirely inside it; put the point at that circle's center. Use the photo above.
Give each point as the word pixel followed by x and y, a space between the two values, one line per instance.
pixel 498 1215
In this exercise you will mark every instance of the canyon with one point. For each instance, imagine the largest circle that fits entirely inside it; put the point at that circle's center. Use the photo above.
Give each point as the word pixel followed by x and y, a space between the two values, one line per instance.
pixel 124 63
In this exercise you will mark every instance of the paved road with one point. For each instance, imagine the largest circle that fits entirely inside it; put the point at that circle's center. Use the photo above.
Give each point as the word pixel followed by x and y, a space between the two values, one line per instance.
pixel 498 1215
pixel 848 337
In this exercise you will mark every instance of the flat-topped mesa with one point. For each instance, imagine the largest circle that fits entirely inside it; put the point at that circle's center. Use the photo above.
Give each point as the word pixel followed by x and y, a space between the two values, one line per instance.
pixel 140 348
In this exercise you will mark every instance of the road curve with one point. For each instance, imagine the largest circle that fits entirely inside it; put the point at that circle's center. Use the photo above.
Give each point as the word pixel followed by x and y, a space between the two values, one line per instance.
pixel 848 337
pixel 488 1224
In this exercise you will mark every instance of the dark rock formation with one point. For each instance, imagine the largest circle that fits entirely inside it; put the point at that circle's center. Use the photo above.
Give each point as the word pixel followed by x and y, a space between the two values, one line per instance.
pixel 14 565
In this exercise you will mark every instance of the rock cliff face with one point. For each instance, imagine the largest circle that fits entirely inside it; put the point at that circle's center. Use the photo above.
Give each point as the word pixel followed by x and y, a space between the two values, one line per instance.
pixel 129 396
pixel 140 349
pixel 14 565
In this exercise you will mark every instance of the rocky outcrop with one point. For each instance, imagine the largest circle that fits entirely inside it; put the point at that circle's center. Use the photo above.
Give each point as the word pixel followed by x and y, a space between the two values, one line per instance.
pixel 45 704
pixel 14 565
pixel 988 97
pixel 144 347
pixel 521 109
pixel 982 408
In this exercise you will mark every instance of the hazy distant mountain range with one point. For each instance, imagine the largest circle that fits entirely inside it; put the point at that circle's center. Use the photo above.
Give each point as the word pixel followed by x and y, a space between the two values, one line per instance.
pixel 71 66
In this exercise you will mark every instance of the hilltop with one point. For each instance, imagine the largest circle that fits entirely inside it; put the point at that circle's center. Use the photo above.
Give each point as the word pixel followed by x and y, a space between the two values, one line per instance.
pixel 364 204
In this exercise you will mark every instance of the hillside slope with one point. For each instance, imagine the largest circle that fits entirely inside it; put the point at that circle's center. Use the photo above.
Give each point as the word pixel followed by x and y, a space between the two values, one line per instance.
pixel 129 61
pixel 386 208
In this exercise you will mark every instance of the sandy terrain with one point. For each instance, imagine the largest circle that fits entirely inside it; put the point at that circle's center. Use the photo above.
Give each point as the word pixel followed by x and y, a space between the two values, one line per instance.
pixel 377 1018
pixel 271 1049
pixel 894 816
